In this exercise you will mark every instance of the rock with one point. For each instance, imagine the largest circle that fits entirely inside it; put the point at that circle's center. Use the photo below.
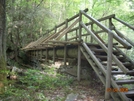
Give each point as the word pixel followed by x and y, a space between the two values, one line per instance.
pixel 15 69
pixel 13 77
pixel 72 97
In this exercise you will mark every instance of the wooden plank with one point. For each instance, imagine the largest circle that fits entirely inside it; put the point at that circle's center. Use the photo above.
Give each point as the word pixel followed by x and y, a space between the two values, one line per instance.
pixel 120 65
pixel 26 47
pixel 128 25
pixel 54 55
pixel 46 59
pixel 41 39
pixel 97 71
pixel 65 55
pixel 102 19
pixel 116 37
pixel 64 42
pixel 70 19
pixel 52 44
pixel 109 63
pixel 72 38
pixel 130 93
pixel 122 36
pixel 132 62
pixel 53 35
pixel 120 82
pixel 66 30
pixel 120 72
pixel 79 65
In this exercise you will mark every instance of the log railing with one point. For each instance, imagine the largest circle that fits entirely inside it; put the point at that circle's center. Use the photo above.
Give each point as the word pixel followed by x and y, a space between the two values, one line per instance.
pixel 110 56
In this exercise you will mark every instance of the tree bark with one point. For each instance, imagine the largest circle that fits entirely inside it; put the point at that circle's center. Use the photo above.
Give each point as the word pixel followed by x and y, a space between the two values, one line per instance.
pixel 2 45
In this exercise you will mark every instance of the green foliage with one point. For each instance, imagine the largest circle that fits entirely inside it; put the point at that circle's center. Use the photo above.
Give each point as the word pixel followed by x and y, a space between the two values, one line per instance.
pixel 28 20
pixel 33 83
pixel 35 78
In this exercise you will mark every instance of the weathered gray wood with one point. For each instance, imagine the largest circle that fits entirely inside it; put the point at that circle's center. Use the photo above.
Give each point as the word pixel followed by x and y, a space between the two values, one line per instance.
pixel 121 66
pixel 109 63
pixel 53 55
pixel 79 65
pixel 121 82
pixel 72 38
pixel 65 46
pixel 65 55
pixel 79 52
pixel 51 44
pixel 67 29
pixel 63 42
pixel 93 66
pixel 46 55
pixel 102 19
pixel 94 58
pixel 130 93
pixel 121 35
pixel 92 29
pixel 70 19
pixel 53 35
pixel 125 44
pixel 128 25
pixel 120 72
pixel 122 95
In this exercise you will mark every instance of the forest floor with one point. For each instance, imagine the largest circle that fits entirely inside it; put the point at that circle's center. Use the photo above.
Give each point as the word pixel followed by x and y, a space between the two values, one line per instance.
pixel 82 90
pixel 47 85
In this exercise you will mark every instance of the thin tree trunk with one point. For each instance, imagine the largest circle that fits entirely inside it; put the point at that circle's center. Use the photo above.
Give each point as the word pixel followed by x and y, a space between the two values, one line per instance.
pixel 2 45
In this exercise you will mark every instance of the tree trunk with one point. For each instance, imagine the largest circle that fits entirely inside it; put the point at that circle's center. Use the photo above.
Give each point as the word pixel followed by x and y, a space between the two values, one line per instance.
pixel 2 45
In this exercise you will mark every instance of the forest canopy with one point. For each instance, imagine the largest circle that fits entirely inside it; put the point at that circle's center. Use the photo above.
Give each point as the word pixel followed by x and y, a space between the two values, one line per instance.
pixel 27 20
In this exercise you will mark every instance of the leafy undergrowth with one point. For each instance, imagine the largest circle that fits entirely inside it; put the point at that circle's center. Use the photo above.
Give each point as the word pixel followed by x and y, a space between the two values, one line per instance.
pixel 47 85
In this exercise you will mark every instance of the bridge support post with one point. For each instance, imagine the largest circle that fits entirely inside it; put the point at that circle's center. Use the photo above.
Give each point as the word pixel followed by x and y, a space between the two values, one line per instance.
pixel 79 65
pixel 65 55
pixel 46 55
pixel 79 51
pixel 65 46
pixel 53 55
pixel 91 39
pixel 109 64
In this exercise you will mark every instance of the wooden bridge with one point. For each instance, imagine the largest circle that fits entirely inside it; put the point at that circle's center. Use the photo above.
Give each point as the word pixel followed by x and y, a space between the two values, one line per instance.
pixel 99 42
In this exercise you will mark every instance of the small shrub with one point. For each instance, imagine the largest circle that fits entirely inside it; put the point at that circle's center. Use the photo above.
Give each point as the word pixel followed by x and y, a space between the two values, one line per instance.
pixel 29 85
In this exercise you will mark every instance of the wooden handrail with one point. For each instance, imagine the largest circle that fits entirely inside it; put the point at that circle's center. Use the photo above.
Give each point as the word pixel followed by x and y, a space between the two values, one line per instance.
pixel 121 35
pixel 102 19
pixel 126 24
pixel 125 44
pixel 120 65
pixel 70 19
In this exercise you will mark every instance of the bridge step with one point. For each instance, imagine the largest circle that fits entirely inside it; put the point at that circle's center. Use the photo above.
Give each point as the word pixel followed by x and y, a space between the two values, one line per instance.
pixel 130 93
pixel 104 58
pixel 100 50
pixel 113 64
pixel 120 72
pixel 131 81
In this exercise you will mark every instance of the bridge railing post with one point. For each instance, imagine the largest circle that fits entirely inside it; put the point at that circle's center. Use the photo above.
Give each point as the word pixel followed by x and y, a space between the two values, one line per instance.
pixel 109 63
pixel 54 51
pixel 91 39
pixel 46 56
pixel 65 46
pixel 79 52
pixel 53 54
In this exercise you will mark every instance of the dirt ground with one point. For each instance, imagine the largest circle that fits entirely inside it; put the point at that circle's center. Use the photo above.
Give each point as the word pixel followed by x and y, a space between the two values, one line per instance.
pixel 83 90
pixel 86 90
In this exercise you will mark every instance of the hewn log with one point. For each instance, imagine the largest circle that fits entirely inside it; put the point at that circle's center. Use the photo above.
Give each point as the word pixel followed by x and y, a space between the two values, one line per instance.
pixel 116 37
